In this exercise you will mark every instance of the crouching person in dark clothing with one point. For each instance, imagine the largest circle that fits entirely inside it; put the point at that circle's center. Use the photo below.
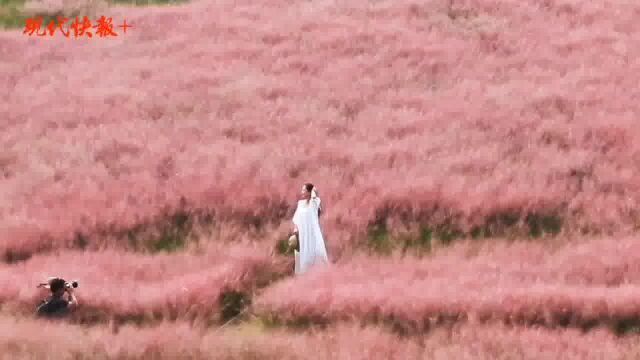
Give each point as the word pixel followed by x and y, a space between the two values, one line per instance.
pixel 56 305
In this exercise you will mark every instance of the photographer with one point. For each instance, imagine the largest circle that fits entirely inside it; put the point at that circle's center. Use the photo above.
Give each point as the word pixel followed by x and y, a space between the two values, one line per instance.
pixel 56 305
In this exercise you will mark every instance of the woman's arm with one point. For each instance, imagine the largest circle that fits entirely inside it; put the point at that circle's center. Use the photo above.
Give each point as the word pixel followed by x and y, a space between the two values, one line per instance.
pixel 316 201
pixel 73 302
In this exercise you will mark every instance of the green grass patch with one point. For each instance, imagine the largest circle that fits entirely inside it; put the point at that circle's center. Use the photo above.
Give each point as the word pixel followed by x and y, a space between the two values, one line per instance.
pixel 13 16
pixel 506 223
pixel 273 321
pixel 448 232
pixel 174 234
pixel 541 224
pixel 81 241
pixel 232 303
pixel 168 233
pixel 379 239
pixel 149 2
pixel 625 325
pixel 420 244
pixel 282 247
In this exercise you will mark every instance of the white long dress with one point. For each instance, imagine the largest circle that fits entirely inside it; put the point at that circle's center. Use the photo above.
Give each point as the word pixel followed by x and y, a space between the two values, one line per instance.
pixel 311 241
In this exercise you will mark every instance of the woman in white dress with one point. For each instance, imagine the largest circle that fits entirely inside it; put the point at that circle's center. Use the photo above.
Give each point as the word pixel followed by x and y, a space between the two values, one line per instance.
pixel 307 226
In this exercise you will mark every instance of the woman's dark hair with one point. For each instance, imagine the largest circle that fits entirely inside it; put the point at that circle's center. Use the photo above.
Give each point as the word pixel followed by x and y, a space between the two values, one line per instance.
pixel 309 187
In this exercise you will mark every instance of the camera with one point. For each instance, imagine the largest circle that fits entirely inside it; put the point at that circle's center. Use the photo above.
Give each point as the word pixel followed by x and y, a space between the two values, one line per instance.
pixel 71 284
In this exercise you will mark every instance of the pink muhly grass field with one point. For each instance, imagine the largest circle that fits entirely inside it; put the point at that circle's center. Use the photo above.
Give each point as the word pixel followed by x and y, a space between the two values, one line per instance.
pixel 595 282
pixel 481 106
pixel 405 113
pixel 29 339
pixel 117 284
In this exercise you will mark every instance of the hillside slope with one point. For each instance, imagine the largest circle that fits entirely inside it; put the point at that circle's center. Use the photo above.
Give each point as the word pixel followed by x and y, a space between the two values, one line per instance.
pixel 160 168
pixel 467 113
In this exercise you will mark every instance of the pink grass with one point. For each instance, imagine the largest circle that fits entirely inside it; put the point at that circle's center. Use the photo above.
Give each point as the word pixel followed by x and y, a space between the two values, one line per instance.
pixel 591 282
pixel 120 284
pixel 28 339
pixel 472 107
pixel 477 106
